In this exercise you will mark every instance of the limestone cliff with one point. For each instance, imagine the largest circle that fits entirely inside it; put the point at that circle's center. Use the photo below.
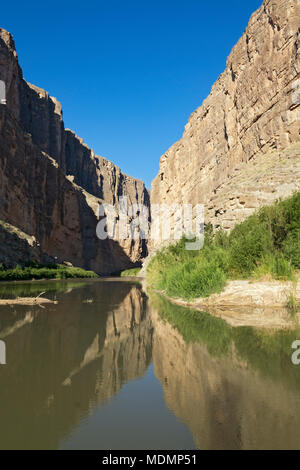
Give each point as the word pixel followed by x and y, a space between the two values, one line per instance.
pixel 51 183
pixel 253 111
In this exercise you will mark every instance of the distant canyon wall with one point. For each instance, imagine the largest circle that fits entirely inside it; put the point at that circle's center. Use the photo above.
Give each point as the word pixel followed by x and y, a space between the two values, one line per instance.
pixel 51 182
pixel 253 110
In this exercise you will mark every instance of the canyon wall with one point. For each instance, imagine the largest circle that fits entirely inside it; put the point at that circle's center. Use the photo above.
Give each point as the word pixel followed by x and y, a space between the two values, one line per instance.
pixel 51 182
pixel 253 111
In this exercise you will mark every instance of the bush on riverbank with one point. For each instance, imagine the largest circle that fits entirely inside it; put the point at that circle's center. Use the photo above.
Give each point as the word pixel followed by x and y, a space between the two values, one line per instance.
pixel 55 271
pixel 130 272
pixel 266 244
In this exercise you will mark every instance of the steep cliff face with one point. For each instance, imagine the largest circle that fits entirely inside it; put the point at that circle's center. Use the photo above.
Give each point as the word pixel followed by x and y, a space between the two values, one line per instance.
pixel 51 183
pixel 253 109
pixel 16 247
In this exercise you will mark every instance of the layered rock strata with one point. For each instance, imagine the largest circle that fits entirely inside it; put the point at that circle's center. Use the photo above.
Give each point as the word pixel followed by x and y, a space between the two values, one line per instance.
pixel 251 114
pixel 51 183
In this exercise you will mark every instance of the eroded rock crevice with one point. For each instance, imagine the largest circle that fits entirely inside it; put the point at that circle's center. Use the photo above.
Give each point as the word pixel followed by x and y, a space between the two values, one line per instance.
pixel 242 142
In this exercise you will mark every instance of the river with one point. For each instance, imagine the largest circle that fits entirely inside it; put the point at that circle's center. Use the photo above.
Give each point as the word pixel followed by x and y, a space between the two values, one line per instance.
pixel 107 367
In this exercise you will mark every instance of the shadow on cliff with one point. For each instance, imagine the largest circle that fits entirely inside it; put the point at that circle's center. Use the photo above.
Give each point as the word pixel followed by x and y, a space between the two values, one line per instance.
pixel 37 197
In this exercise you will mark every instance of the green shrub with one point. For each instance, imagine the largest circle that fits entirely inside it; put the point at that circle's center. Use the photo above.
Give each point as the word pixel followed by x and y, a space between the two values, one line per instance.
pixel 44 272
pixel 291 248
pixel 130 272
pixel 195 279
pixel 249 243
pixel 265 244
pixel 281 268
pixel 220 257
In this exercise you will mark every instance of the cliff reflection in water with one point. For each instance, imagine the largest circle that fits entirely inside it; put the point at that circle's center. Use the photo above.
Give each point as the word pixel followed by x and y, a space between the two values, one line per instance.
pixel 232 387
pixel 64 359
pixel 236 388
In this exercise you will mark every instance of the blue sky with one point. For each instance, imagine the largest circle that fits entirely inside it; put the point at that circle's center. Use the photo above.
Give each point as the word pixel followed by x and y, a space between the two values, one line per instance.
pixel 128 73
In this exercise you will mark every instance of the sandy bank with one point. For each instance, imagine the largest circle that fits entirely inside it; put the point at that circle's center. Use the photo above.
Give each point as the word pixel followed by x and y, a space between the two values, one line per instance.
pixel 260 304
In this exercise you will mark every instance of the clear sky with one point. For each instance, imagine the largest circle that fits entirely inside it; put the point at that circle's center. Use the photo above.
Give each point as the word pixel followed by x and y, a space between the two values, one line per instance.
pixel 128 73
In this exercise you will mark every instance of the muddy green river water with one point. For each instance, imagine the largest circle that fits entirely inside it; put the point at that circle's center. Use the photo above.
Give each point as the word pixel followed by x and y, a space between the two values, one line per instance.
pixel 108 367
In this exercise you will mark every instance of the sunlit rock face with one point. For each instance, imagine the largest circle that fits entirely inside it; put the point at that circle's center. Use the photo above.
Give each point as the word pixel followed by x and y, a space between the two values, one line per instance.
pixel 51 182
pixel 230 156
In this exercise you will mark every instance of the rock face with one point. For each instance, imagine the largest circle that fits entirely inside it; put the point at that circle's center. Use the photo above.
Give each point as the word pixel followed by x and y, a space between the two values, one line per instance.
pixel 51 183
pixel 253 111
pixel 17 248
pixel 264 179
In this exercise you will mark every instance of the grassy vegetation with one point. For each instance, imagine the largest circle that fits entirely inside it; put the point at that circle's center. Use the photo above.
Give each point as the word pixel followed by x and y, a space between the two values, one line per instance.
pixel 35 271
pixel 266 244
pixel 293 305
pixel 130 272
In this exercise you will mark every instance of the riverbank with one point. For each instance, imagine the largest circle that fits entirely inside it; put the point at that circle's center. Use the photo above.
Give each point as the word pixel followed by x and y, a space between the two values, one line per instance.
pixel 265 246
pixel 264 304
pixel 39 272
pixel 256 266
pixel 276 294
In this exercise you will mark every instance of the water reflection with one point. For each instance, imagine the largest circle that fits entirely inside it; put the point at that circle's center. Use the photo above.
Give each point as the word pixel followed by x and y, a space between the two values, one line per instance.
pixel 230 387
pixel 236 388
pixel 63 359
